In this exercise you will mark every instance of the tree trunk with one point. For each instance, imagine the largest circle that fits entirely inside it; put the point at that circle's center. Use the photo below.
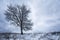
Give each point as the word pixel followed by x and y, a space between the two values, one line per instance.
pixel 21 29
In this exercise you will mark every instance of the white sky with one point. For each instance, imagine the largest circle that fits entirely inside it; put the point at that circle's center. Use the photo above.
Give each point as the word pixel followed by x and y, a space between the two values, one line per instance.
pixel 45 14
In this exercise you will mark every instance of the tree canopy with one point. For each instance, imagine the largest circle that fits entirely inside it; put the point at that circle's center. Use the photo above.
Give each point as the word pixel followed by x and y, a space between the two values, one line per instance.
pixel 18 15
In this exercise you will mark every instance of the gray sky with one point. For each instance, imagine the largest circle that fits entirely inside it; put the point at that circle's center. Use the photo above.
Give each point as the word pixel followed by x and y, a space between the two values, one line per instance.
pixel 45 15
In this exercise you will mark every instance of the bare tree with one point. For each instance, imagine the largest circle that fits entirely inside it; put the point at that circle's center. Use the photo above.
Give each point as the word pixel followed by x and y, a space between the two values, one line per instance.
pixel 18 15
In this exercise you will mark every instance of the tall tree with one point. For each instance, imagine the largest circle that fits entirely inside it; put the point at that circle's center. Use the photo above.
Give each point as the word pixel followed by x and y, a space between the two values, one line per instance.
pixel 18 15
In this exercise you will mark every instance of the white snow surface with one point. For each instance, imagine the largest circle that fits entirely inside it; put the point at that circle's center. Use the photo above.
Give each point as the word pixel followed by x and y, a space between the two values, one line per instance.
pixel 37 36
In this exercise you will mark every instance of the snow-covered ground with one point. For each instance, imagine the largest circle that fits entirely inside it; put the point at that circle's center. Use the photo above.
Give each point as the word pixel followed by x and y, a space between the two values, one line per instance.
pixel 37 36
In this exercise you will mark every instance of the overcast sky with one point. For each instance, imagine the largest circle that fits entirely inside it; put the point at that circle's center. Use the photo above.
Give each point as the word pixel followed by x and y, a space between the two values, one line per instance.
pixel 45 15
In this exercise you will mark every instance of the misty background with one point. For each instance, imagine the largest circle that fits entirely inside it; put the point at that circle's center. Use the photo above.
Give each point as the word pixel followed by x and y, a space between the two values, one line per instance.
pixel 45 15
